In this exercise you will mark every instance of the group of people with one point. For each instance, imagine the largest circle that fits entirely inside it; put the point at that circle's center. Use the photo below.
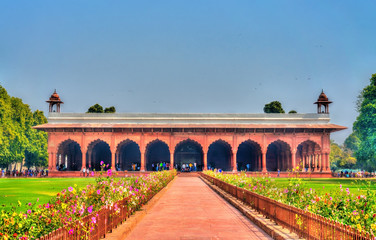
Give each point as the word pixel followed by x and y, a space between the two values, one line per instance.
pixel 24 173
pixel 186 167
pixel 354 174
pixel 160 166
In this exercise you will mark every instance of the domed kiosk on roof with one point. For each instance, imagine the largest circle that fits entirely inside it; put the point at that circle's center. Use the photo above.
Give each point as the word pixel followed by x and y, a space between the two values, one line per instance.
pixel 54 100
pixel 323 101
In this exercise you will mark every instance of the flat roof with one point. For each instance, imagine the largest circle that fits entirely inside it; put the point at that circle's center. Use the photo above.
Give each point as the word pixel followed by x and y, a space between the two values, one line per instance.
pixel 186 120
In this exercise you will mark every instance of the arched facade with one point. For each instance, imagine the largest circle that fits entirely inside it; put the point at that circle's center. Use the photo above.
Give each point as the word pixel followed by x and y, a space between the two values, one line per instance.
pixel 231 142
pixel 157 152
pixel 278 156
pixel 220 156
pixel 69 156
pixel 310 157
pixel 98 151
pixel 128 156
pixel 189 152
pixel 248 156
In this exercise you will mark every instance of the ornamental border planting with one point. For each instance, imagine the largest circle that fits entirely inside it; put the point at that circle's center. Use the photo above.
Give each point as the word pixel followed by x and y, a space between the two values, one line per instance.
pixel 87 213
pixel 304 223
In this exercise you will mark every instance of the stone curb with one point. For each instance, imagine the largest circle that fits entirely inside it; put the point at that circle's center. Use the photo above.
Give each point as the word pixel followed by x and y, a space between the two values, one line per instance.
pixel 275 231
pixel 122 231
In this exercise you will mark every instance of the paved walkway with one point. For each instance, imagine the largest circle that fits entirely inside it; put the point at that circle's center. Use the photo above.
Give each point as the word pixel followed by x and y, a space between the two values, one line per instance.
pixel 191 210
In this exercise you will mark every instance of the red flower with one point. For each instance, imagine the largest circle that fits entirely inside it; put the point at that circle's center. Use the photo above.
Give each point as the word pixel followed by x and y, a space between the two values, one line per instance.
pixel 15 235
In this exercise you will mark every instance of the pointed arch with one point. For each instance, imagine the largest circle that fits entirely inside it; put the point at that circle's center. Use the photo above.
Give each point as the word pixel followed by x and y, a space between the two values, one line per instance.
pixel 156 152
pixel 128 156
pixel 69 156
pixel 189 151
pixel 220 155
pixel 278 156
pixel 98 151
pixel 308 156
pixel 248 156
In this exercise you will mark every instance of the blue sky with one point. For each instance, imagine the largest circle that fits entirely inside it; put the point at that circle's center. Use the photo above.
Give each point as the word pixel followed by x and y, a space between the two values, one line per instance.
pixel 189 56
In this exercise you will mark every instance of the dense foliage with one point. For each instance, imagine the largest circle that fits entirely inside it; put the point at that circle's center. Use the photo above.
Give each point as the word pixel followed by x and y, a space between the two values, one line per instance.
pixel 96 108
pixel 357 210
pixel 341 157
pixel 365 126
pixel 18 140
pixel 273 107
pixel 72 204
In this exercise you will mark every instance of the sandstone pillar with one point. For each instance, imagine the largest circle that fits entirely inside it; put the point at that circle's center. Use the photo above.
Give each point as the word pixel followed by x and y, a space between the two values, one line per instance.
pixel 264 161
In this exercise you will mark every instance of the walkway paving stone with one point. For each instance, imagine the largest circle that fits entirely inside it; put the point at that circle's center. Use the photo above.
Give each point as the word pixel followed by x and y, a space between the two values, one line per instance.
pixel 191 210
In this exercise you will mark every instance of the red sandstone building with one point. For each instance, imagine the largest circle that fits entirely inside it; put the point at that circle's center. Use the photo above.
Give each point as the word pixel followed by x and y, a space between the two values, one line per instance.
pixel 232 142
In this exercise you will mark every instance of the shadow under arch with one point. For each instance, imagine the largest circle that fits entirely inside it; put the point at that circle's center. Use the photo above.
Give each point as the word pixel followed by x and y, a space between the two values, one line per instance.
pixel 278 156
pixel 248 156
pixel 220 155
pixel 69 156
pixel 189 152
pixel 128 156
pixel 98 151
pixel 157 152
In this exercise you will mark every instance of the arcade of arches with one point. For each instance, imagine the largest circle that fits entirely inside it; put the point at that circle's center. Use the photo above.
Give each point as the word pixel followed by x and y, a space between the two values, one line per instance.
pixel 250 155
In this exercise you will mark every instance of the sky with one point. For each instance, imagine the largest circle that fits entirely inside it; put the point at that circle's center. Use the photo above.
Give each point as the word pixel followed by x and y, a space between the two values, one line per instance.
pixel 189 56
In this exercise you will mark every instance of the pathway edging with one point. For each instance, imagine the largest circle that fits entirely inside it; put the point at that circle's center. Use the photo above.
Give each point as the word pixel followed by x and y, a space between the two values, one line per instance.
pixel 271 228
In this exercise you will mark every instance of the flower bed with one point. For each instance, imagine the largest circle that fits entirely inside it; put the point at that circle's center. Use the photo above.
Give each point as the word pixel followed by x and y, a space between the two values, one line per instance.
pixel 355 210
pixel 73 206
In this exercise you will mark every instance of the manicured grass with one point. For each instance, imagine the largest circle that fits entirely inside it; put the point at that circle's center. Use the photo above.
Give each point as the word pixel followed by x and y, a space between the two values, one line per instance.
pixel 329 184
pixel 28 190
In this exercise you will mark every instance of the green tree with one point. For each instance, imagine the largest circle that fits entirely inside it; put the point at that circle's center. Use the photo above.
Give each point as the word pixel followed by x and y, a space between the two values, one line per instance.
pixel 110 109
pixel 293 111
pixel 352 142
pixel 17 137
pixel 95 109
pixel 365 126
pixel 340 157
pixel 273 107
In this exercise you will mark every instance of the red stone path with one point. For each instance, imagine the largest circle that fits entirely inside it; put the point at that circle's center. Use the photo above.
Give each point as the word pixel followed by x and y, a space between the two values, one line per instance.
pixel 189 210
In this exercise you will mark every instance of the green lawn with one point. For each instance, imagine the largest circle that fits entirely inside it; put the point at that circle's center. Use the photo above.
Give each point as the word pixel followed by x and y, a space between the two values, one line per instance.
pixel 28 190
pixel 328 184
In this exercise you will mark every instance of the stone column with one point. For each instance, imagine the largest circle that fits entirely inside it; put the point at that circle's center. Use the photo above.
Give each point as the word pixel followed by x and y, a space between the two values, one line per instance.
pixel 52 161
pixel 113 160
pixel 293 160
pixel 172 161
pixel 264 161
pixel 205 153
pixel 234 161
pixel 143 165
pixel 309 162
pixel 83 159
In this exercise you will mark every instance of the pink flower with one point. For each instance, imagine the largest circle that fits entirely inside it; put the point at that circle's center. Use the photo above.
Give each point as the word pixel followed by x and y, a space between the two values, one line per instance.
pixel 93 220
pixel 70 231
pixel 47 205
pixel 29 204
pixel 70 189
pixel 92 173
pixel 90 209
pixel 101 163
pixel 98 191
pixel 28 211
pixel 109 172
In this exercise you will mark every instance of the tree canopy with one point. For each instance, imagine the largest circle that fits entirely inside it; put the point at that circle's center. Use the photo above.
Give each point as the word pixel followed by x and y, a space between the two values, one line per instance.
pixel 96 108
pixel 365 126
pixel 18 140
pixel 292 111
pixel 273 107
pixel 341 157
pixel 110 110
